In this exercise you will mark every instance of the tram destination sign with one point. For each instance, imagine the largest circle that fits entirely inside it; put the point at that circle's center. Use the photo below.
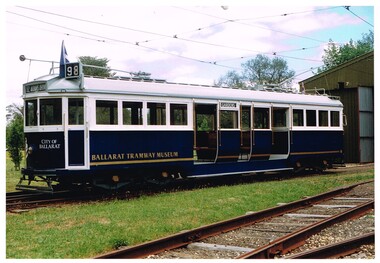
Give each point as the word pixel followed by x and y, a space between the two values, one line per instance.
pixel 228 105
pixel 73 70
pixel 35 87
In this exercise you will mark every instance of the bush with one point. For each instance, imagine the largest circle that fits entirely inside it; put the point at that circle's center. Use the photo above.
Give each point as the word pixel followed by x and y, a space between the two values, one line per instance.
pixel 15 140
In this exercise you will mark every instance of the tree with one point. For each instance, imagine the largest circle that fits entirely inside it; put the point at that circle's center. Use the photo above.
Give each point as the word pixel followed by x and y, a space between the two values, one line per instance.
pixel 231 79
pixel 260 70
pixel 336 54
pixel 101 68
pixel 14 111
pixel 15 134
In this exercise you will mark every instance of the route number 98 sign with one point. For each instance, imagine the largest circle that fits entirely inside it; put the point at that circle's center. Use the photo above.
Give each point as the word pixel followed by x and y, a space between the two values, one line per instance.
pixel 73 70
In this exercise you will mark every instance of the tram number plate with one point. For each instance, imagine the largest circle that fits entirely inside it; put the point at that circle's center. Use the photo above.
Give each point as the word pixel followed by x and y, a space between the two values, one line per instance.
pixel 72 70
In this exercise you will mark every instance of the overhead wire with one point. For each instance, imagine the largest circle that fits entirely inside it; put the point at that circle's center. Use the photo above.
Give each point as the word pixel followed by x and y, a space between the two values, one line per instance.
pixel 250 25
pixel 121 41
pixel 162 36
pixel 349 10
pixel 176 36
pixel 136 43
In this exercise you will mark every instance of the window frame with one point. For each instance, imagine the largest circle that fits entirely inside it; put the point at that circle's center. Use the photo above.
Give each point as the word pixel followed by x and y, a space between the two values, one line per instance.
pixel 43 112
pixel 331 121
pixel 162 114
pixel 312 118
pixel 184 114
pixel 115 118
pixel 83 111
pixel 34 114
pixel 140 113
pixel 269 117
pixel 302 110
pixel 326 119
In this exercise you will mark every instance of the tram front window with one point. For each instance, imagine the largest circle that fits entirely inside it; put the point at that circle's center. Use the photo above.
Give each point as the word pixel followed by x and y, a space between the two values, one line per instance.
pixel 31 113
pixel 51 111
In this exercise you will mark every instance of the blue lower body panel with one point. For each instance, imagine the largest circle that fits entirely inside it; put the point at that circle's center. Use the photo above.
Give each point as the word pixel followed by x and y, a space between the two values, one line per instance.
pixel 314 146
pixel 139 152
pixel 220 169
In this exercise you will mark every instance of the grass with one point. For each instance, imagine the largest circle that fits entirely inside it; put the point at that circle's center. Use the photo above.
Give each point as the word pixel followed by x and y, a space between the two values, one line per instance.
pixel 13 175
pixel 88 229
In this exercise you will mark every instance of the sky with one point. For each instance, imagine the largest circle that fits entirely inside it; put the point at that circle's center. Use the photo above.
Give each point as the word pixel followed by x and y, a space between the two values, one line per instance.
pixel 190 43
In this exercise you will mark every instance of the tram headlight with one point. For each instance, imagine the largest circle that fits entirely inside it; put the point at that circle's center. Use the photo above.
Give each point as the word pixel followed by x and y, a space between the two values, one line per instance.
pixel 29 150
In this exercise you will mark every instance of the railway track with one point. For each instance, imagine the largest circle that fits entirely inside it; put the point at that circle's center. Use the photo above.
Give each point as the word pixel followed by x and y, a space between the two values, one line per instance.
pixel 271 233
pixel 24 201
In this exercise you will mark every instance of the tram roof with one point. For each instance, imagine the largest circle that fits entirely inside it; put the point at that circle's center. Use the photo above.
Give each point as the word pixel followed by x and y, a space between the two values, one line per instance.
pixel 55 84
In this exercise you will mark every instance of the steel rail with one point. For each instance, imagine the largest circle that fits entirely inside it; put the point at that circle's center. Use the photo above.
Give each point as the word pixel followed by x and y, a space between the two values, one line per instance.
pixel 340 249
pixel 41 199
pixel 293 240
pixel 185 238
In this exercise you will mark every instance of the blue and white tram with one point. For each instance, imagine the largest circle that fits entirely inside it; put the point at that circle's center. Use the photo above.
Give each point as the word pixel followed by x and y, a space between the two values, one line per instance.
pixel 109 132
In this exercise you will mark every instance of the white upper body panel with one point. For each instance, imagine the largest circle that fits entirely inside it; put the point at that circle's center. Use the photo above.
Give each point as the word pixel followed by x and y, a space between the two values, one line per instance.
pixel 88 85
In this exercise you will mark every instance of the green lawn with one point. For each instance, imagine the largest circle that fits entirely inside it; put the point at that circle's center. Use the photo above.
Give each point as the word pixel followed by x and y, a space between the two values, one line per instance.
pixel 12 175
pixel 86 230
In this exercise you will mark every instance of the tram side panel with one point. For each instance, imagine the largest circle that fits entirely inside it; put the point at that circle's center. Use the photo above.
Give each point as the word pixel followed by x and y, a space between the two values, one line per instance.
pixel 143 154
pixel 262 145
pixel 312 148
pixel 46 151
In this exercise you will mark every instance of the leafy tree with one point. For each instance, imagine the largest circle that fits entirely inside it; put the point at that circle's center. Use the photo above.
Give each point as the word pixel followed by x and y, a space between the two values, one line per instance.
pixel 15 134
pixel 100 68
pixel 260 70
pixel 336 54
pixel 14 111
pixel 231 79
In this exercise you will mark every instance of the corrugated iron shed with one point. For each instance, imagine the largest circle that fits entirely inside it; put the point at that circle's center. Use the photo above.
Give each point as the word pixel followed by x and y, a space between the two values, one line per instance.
pixel 353 82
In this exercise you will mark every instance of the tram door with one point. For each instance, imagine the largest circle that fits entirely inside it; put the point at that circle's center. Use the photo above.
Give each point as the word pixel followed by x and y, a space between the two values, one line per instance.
pixel 246 133
pixel 205 132
pixel 75 133
pixel 280 133
pixel 229 134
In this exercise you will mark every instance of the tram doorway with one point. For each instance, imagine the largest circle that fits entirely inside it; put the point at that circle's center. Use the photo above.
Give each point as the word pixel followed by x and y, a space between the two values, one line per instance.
pixel 280 133
pixel 205 132
pixel 75 133
pixel 246 133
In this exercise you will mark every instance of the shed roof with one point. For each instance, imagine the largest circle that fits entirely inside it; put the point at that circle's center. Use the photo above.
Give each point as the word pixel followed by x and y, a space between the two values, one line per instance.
pixel 364 72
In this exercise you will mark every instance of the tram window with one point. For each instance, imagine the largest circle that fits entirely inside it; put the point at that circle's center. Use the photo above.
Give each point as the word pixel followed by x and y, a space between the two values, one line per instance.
pixel 311 118
pixel 334 119
pixel 156 113
pixel 228 119
pixel 279 118
pixel 75 111
pixel 297 117
pixel 178 114
pixel 106 112
pixel 261 118
pixel 31 113
pixel 132 113
pixel 323 118
pixel 50 111
pixel 246 118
